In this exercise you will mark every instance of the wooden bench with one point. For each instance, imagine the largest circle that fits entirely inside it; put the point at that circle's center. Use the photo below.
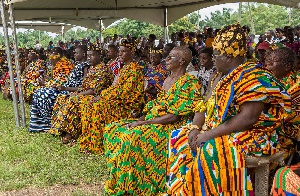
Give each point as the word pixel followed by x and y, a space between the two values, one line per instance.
pixel 261 168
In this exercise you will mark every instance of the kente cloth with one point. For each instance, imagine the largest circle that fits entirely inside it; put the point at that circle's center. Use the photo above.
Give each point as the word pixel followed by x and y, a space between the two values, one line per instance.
pixel 44 99
pixel 67 110
pixel 287 181
pixel 30 76
pixel 137 157
pixel 288 135
pixel 154 78
pixel 213 173
pixel 122 100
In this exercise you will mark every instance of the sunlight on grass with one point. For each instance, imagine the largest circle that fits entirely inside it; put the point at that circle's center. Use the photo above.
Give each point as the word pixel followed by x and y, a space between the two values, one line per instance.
pixel 40 160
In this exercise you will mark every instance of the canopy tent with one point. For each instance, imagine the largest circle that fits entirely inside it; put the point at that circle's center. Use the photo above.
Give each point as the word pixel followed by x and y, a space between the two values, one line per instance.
pixel 152 11
pixel 43 26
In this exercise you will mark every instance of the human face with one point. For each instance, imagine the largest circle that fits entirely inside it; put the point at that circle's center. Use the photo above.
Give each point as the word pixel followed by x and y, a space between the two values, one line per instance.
pixel 78 54
pixel 93 58
pixel 112 54
pixel 125 54
pixel 166 50
pixel 172 60
pixel 155 58
pixel 220 62
pixel 275 65
pixel 205 60
pixel 31 56
pixel 279 34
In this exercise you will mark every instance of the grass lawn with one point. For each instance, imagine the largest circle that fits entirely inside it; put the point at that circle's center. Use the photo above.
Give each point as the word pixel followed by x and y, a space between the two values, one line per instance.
pixel 39 161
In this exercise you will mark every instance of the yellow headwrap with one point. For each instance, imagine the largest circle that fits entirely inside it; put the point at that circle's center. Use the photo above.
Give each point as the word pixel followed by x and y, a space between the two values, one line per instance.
pixel 231 40
pixel 129 44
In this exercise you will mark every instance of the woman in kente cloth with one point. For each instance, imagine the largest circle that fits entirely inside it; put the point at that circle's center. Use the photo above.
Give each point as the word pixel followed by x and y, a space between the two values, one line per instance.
pixel 121 100
pixel 66 118
pixel 32 74
pixel 287 179
pixel 136 149
pixel 246 91
pixel 155 75
pixel 66 78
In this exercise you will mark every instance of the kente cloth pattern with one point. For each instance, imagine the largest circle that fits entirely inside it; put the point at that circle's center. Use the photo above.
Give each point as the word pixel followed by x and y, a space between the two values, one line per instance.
pixel 212 173
pixel 122 100
pixel 154 78
pixel 44 99
pixel 180 155
pixel 288 135
pixel 67 110
pixel 137 157
pixel 30 76
pixel 59 74
pixel 287 181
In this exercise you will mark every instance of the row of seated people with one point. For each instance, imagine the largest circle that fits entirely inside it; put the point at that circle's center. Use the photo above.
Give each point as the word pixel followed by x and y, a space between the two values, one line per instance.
pixel 185 142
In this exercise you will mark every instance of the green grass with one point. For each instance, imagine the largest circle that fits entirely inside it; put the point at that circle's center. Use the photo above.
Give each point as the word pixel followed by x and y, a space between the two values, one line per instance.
pixel 40 159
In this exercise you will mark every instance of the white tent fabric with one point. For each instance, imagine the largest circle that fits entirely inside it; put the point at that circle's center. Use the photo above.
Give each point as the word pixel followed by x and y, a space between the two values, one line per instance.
pixel 79 12
pixel 49 27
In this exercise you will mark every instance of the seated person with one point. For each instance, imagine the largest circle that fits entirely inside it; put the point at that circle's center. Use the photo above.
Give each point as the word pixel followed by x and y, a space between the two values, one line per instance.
pixel 62 81
pixel 66 117
pixel 136 150
pixel 249 92
pixel 123 99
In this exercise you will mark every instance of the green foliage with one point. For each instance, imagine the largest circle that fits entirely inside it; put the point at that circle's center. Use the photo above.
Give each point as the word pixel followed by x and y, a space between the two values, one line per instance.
pixel 40 160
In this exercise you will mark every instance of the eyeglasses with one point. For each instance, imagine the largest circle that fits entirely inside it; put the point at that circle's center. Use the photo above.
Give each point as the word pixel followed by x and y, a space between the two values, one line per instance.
pixel 170 57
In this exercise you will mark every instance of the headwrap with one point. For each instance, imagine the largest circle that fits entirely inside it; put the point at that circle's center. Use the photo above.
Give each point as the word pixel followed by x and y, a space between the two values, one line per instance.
pixel 156 51
pixel 33 51
pixel 231 40
pixel 275 46
pixel 129 44
pixel 93 47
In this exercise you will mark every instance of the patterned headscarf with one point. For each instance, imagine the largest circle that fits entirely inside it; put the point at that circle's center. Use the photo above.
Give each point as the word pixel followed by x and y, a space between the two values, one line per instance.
pixel 231 40
pixel 93 47
pixel 129 44
pixel 156 51
pixel 33 51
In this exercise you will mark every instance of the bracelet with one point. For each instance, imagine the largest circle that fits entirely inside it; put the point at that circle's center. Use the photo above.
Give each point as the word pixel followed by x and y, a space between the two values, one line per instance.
pixel 191 127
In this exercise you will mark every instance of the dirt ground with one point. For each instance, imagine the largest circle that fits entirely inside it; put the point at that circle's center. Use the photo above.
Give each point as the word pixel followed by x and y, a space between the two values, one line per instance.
pixel 58 190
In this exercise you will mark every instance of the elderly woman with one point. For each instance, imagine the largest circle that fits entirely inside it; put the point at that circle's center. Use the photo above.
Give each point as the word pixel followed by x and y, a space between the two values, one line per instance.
pixel 287 179
pixel 44 98
pixel 136 150
pixel 123 99
pixel 66 118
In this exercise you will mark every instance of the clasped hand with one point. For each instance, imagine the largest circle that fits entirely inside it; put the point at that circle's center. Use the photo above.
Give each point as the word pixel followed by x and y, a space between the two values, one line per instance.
pixel 196 139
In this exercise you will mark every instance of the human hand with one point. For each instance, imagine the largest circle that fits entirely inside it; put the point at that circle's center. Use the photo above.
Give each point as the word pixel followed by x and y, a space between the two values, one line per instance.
pixel 192 137
pixel 201 138
pixel 61 88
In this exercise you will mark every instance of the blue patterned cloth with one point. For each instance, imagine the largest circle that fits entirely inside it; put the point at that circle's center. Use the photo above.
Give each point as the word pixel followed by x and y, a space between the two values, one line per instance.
pixel 44 99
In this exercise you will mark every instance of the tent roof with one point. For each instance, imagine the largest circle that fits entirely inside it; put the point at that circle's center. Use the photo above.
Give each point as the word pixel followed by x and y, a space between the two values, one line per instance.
pixel 86 13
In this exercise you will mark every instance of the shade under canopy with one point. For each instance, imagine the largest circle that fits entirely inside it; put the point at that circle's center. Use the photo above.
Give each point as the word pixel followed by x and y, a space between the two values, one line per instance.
pixel 152 11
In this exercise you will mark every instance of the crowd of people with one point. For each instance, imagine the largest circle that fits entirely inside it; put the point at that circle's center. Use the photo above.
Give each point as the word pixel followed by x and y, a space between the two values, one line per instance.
pixel 174 118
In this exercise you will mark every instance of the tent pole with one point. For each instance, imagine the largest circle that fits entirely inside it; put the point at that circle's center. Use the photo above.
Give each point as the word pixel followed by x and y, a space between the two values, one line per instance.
pixel 100 30
pixel 15 43
pixel 166 25
pixel 9 60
